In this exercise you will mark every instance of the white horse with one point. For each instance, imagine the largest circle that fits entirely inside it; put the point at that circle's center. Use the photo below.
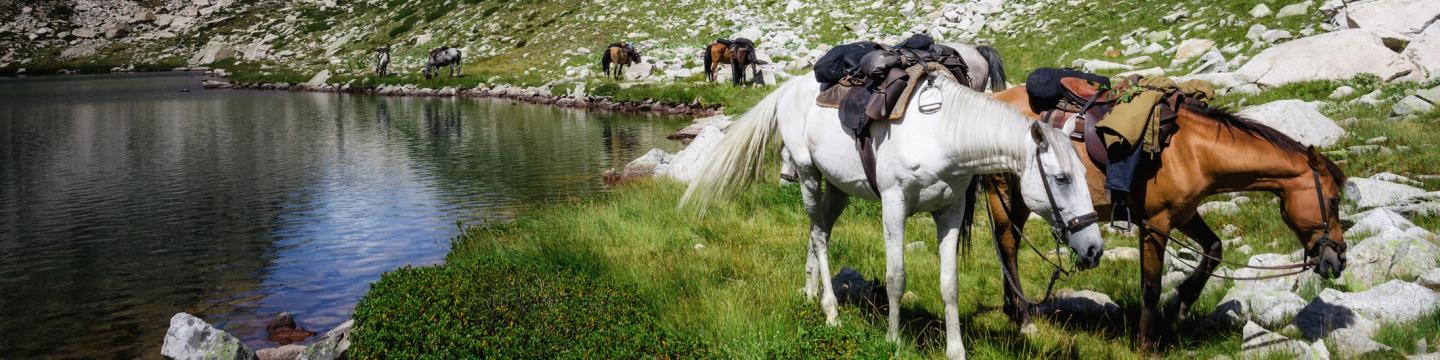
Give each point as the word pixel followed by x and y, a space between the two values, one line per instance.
pixel 442 57
pixel 924 164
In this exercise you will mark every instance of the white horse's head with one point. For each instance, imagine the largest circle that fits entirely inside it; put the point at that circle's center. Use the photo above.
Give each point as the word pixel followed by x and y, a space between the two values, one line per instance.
pixel 1053 186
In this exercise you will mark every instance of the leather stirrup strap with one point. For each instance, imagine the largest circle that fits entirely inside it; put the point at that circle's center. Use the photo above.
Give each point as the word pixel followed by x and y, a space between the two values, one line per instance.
pixel 864 143
pixel 1094 145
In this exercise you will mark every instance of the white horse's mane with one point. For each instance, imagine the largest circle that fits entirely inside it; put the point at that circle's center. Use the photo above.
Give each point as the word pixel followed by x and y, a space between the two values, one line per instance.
pixel 988 127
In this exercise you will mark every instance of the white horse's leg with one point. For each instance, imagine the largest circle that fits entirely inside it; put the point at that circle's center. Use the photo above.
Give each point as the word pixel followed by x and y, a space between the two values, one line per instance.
pixel 833 205
pixel 810 192
pixel 947 227
pixel 894 209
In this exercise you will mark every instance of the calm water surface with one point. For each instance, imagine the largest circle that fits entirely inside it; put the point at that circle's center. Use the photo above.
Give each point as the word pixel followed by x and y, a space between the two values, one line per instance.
pixel 124 200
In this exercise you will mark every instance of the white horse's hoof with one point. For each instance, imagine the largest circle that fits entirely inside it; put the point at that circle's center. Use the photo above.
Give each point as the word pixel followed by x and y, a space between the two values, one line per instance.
pixel 832 322
pixel 1029 329
pixel 955 355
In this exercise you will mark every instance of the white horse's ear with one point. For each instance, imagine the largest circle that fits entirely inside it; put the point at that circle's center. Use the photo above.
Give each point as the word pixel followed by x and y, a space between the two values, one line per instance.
pixel 1069 125
pixel 1037 132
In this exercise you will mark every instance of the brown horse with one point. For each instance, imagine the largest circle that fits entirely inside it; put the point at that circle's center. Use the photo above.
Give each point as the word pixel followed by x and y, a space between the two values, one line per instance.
pixel 1212 152
pixel 716 54
pixel 620 54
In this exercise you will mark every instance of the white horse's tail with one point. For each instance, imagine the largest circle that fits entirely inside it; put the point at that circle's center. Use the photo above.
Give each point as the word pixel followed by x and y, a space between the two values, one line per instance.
pixel 738 161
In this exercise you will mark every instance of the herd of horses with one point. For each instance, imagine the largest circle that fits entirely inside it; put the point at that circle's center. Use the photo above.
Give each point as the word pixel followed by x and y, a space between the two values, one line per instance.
pixel 739 53
pixel 940 161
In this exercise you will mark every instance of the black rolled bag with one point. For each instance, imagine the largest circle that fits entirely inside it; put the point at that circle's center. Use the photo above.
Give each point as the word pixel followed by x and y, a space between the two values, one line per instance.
pixel 1045 89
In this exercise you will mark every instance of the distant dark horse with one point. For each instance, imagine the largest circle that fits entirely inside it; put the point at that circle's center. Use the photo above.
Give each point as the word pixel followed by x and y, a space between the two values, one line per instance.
pixel 742 54
pixel 620 54
pixel 442 57
pixel 739 53
pixel 382 61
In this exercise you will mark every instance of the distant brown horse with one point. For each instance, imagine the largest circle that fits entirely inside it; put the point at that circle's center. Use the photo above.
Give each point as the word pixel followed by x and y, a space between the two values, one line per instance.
pixel 1213 151
pixel 716 54
pixel 620 54
pixel 738 53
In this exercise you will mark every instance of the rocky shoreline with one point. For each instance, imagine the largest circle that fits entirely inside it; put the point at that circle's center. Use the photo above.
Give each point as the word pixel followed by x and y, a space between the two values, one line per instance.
pixel 535 95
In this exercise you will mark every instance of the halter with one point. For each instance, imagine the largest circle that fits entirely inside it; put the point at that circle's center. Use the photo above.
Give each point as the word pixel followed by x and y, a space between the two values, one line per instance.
pixel 1061 235
pixel 1072 225
pixel 1324 240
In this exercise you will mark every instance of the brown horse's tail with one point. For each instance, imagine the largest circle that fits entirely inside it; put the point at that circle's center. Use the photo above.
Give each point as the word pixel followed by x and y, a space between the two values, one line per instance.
pixel 605 61
pixel 968 220
pixel 709 59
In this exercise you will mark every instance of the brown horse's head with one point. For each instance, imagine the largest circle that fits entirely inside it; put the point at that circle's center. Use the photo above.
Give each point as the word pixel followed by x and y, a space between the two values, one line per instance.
pixel 1310 191
pixel 1315 219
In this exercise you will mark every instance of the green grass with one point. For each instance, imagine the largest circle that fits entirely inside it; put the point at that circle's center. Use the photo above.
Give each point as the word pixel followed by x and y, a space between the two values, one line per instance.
pixel 738 295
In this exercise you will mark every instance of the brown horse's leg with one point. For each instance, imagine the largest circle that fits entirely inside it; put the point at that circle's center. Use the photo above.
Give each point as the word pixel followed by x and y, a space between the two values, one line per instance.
pixel 1193 285
pixel 999 195
pixel 1152 265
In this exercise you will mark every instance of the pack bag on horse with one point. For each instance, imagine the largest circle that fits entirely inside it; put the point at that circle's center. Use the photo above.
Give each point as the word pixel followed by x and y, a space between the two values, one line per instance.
pixel 622 55
pixel 927 163
pixel 442 57
pixel 1184 151
pixel 382 61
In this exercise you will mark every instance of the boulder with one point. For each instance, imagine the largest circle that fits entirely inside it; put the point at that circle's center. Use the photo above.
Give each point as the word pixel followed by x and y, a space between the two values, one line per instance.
pixel 1271 302
pixel 117 30
pixel 1067 302
pixel 1264 344
pixel 644 166
pixel 1260 11
pixel 1401 16
pixel 1123 253
pixel 689 132
pixel 1423 50
pixel 191 338
pixel 332 346
pixel 1298 119
pixel 319 79
pixel 1430 278
pixel 287 352
pixel 1192 48
pixel 1295 9
pixel 1342 92
pixel 146 15
pixel 1412 105
pixel 1101 65
pixel 1427 204
pixel 85 33
pixel 1376 221
pixel 639 71
pixel 1330 56
pixel 212 52
pixel 1218 207
pixel 1390 254
pixel 1371 193
pixel 687 162
pixel 1392 302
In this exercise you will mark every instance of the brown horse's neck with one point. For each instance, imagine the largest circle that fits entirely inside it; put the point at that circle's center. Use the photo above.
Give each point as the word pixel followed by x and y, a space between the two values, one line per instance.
pixel 1240 160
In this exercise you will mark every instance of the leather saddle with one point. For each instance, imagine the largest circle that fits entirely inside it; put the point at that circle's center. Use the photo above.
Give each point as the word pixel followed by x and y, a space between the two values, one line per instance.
pixel 1089 102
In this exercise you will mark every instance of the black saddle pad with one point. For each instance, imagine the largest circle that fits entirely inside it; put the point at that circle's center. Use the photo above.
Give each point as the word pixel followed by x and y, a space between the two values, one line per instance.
pixel 1045 90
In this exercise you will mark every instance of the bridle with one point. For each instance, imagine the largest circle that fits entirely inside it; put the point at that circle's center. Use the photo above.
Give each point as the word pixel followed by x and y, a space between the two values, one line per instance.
pixel 1072 225
pixel 1060 235
pixel 1326 204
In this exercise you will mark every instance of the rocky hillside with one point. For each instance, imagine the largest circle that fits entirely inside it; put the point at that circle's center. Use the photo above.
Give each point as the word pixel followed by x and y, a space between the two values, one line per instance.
pixel 553 41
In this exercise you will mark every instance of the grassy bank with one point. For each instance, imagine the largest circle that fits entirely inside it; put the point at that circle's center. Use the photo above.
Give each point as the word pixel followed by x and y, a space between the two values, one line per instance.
pixel 728 286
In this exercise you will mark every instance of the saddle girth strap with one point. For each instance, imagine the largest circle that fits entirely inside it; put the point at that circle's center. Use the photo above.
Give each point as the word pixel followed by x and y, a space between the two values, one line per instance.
pixel 865 145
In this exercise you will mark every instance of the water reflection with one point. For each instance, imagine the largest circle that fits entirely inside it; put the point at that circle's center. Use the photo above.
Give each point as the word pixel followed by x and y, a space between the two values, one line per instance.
pixel 123 200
